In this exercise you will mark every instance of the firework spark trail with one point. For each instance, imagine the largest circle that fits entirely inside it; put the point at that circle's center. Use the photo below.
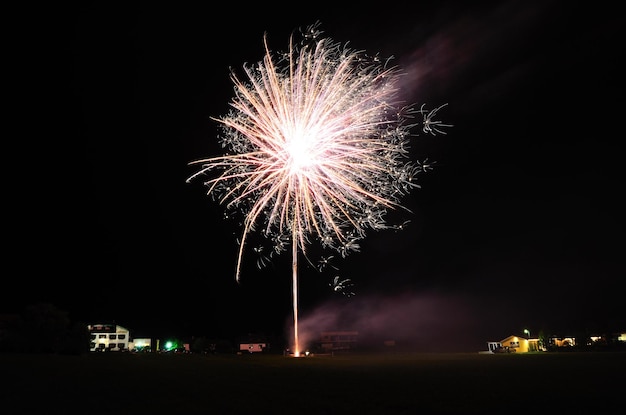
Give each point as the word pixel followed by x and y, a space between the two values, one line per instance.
pixel 317 148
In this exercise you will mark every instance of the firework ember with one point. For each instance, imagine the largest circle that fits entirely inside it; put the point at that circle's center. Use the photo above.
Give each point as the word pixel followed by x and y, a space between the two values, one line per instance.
pixel 316 149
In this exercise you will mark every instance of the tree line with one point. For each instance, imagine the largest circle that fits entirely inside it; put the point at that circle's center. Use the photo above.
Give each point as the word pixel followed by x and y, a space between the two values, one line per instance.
pixel 43 328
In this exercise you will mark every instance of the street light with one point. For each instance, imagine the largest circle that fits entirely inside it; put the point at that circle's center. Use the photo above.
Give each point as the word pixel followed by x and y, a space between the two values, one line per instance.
pixel 527 332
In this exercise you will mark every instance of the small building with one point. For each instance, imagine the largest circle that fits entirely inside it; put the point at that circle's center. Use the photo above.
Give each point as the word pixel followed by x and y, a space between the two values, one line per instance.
pixel 141 345
pixel 514 344
pixel 491 346
pixel 109 338
pixel 253 343
pixel 338 341
pixel 252 347
pixel 567 341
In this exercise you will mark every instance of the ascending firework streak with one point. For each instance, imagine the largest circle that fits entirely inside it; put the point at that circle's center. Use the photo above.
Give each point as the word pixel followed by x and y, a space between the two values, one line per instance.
pixel 317 148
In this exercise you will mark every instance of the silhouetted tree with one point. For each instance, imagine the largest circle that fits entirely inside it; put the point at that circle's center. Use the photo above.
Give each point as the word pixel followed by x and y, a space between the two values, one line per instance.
pixel 43 328
pixel 544 340
pixel 77 340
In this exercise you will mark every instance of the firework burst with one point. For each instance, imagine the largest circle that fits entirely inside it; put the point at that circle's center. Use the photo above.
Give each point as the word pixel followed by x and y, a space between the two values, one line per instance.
pixel 316 148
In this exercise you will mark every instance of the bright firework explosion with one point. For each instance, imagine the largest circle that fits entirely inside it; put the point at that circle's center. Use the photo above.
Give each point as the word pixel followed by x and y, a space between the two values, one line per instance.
pixel 316 149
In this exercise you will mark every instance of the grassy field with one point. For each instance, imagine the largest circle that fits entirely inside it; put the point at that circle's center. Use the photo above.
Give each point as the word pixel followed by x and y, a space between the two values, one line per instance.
pixel 137 384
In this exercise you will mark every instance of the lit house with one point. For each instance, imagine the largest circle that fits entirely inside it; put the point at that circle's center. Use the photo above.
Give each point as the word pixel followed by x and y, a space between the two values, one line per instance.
pixel 109 338
pixel 514 344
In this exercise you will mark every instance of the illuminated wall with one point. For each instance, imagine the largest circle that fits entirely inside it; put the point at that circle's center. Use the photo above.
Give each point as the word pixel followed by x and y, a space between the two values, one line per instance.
pixel 519 344
pixel 252 347
pixel 108 338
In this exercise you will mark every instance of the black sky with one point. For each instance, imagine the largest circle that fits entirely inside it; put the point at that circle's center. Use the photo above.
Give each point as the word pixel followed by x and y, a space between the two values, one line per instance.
pixel 519 225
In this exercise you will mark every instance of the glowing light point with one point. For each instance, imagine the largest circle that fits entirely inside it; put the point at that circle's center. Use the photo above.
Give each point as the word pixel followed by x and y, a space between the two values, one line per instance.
pixel 300 154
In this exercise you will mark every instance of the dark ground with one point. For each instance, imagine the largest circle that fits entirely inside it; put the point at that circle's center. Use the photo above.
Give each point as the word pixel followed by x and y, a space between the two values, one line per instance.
pixel 349 384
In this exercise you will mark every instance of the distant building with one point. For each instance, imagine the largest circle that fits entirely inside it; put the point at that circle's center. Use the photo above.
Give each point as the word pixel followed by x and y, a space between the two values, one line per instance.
pixel 253 343
pixel 252 347
pixel 491 346
pixel 514 344
pixel 109 338
pixel 338 341
pixel 562 341
pixel 141 345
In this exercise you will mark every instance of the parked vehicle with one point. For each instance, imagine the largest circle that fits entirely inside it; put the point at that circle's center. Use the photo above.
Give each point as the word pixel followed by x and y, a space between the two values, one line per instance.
pixel 503 349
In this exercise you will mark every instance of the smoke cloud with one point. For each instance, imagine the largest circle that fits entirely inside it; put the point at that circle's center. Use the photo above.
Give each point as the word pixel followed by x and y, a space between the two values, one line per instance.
pixel 415 322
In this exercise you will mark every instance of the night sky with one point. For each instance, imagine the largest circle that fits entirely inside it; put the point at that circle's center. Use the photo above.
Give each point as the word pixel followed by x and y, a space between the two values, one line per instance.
pixel 520 224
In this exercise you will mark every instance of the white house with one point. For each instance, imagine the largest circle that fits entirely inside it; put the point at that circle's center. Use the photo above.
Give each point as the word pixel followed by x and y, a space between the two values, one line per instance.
pixel 109 338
